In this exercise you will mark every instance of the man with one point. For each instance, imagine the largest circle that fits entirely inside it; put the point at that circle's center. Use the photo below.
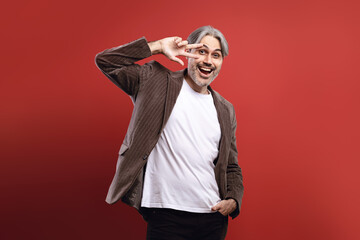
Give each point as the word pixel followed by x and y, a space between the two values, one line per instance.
pixel 178 162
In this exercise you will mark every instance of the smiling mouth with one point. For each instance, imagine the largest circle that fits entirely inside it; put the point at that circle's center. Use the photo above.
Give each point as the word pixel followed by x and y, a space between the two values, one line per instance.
pixel 205 70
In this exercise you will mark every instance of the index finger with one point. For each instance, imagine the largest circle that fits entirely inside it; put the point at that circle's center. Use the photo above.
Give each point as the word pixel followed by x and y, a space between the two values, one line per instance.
pixel 195 45
pixel 190 55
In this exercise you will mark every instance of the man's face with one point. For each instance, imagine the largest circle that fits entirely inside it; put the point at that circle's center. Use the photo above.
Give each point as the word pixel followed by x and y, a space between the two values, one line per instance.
pixel 204 69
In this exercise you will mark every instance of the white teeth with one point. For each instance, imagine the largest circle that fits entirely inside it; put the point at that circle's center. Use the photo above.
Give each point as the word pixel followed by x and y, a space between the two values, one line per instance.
pixel 206 69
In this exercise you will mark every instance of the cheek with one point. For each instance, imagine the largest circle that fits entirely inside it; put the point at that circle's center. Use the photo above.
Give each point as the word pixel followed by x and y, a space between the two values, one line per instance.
pixel 193 64
pixel 218 65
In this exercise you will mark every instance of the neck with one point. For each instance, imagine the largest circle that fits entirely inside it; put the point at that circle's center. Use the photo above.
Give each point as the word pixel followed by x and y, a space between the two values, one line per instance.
pixel 194 86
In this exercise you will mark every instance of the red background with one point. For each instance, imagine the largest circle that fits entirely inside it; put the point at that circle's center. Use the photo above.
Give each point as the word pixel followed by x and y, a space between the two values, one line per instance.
pixel 292 75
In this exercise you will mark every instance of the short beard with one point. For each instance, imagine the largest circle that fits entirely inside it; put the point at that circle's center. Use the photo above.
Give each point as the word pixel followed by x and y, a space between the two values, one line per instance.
pixel 192 74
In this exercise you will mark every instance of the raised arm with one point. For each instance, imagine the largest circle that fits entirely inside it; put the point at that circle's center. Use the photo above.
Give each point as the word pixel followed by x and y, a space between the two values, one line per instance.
pixel 118 63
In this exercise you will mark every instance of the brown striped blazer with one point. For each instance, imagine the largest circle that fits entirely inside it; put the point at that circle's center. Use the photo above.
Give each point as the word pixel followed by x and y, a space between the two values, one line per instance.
pixel 154 90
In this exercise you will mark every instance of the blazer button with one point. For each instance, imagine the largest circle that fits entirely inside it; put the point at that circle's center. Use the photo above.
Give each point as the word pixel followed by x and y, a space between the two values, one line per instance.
pixel 145 157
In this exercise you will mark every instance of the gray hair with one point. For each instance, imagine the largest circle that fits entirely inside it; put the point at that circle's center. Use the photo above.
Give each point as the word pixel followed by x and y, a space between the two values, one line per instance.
pixel 198 34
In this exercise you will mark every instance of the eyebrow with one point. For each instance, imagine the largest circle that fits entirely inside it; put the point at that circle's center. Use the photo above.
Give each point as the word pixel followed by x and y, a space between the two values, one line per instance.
pixel 209 48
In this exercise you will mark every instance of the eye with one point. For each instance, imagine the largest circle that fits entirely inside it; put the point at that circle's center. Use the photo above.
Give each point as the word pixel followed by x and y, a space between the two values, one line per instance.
pixel 202 52
pixel 216 55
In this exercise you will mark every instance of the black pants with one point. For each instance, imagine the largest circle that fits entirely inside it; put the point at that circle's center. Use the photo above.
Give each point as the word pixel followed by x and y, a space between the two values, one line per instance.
pixel 169 224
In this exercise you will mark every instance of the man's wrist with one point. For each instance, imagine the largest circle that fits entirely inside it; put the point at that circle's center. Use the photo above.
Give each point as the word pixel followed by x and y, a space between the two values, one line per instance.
pixel 233 201
pixel 155 47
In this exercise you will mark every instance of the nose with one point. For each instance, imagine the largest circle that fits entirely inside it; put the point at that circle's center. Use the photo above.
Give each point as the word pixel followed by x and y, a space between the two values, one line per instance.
pixel 208 60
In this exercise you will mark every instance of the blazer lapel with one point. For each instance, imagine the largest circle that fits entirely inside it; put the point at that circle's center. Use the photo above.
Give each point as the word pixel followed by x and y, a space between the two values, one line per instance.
pixel 224 121
pixel 174 84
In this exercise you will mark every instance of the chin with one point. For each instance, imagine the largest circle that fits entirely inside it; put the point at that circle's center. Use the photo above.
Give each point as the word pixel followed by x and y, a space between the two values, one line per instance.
pixel 203 83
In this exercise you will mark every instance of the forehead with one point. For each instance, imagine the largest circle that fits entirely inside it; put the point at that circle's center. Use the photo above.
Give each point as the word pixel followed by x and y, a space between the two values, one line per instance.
pixel 211 42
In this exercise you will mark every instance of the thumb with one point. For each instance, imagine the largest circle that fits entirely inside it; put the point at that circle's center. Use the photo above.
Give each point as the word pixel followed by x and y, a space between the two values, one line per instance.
pixel 216 207
pixel 178 60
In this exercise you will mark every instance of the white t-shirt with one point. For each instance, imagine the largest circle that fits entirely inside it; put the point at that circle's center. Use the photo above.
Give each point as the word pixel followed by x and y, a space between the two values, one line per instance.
pixel 180 170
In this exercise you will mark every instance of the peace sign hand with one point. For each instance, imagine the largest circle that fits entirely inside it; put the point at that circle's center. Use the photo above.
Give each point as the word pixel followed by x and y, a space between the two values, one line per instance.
pixel 172 47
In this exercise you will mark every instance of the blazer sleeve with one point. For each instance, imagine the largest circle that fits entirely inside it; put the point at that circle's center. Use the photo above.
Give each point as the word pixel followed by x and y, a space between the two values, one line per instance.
pixel 118 64
pixel 235 188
